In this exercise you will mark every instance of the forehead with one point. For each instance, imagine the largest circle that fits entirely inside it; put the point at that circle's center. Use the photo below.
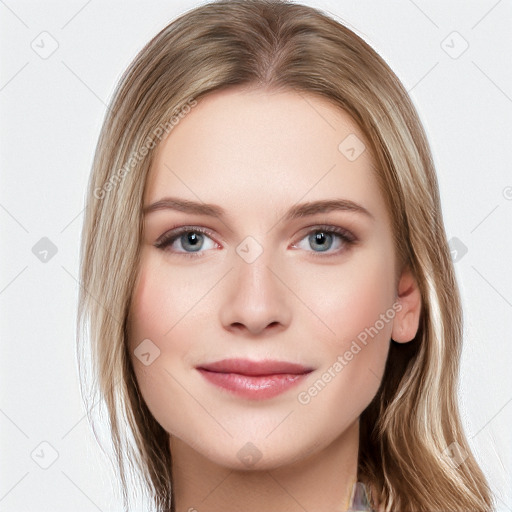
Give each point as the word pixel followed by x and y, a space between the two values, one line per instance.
pixel 256 151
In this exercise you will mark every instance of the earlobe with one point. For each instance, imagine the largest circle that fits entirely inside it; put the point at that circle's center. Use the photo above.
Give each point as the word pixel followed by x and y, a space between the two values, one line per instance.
pixel 407 318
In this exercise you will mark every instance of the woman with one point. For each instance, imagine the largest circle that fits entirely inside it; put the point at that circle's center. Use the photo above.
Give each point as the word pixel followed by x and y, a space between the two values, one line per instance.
pixel 267 286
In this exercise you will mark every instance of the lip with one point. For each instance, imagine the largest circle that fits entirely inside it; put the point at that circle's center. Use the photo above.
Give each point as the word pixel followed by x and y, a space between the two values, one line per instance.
pixel 254 380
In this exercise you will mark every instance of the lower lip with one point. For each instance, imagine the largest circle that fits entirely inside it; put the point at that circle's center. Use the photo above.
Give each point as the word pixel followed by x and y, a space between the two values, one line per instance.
pixel 253 387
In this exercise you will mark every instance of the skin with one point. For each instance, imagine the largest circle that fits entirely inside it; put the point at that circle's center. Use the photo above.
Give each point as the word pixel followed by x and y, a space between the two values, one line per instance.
pixel 257 153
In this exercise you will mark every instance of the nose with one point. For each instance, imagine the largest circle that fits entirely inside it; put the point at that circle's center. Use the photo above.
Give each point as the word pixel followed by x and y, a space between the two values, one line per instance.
pixel 256 300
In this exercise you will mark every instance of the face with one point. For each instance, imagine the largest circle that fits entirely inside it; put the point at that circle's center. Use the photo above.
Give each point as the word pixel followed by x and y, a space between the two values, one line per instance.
pixel 265 301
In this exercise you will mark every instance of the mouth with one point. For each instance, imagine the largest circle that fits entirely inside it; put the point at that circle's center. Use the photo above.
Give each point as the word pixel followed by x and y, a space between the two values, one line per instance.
pixel 254 380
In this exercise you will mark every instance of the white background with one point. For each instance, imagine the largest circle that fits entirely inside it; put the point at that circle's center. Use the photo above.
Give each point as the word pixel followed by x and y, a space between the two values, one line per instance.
pixel 51 113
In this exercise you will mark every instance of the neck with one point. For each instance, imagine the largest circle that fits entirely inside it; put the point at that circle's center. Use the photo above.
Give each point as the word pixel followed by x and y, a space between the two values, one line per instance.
pixel 319 482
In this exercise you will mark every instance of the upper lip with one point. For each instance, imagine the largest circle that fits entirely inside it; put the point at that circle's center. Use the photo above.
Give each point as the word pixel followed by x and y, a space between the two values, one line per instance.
pixel 255 368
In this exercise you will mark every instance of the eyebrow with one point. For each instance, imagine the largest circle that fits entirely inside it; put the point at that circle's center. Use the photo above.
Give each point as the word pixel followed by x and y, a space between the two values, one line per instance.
pixel 296 211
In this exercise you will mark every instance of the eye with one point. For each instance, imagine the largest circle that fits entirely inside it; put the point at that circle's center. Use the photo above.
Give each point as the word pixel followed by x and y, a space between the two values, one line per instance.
pixel 187 240
pixel 324 238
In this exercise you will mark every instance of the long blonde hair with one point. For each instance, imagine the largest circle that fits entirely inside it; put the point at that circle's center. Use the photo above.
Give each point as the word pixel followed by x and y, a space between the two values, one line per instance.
pixel 413 451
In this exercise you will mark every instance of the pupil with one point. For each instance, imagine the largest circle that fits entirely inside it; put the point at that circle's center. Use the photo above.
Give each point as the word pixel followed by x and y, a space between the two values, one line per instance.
pixel 192 238
pixel 320 239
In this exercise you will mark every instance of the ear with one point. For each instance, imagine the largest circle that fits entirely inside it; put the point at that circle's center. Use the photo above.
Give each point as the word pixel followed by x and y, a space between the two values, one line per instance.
pixel 407 318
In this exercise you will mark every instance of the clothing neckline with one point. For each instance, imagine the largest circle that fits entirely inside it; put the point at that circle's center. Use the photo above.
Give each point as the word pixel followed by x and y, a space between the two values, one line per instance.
pixel 359 500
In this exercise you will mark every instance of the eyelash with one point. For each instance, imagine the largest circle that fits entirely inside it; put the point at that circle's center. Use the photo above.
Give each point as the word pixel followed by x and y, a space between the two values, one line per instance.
pixel 171 236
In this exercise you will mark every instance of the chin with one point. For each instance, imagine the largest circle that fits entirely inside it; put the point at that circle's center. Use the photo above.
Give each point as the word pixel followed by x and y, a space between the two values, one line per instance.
pixel 240 454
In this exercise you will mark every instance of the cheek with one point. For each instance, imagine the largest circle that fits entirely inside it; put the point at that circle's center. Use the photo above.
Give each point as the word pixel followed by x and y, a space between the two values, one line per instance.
pixel 356 305
pixel 351 297
pixel 162 311
pixel 161 300
pixel 162 304
pixel 367 295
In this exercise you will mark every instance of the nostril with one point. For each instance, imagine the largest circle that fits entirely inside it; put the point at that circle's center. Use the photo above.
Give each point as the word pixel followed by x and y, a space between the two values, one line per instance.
pixel 239 326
